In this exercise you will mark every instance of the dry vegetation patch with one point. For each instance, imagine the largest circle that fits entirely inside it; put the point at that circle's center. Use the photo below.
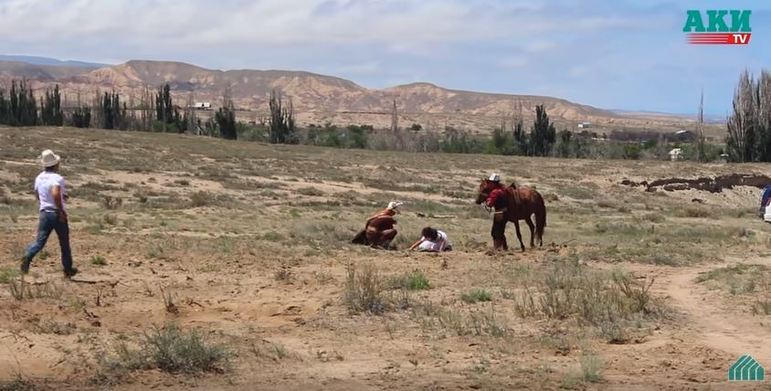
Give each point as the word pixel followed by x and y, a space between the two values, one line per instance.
pixel 244 252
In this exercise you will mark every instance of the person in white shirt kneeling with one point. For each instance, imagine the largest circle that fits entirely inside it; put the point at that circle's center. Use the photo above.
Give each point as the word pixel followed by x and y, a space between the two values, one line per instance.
pixel 433 240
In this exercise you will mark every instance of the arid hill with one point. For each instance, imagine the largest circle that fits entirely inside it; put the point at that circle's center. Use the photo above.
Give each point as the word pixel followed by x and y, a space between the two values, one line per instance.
pixel 320 98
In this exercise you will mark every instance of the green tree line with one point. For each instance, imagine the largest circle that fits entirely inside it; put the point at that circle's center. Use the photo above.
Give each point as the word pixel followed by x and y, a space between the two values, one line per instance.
pixel 749 125
pixel 541 138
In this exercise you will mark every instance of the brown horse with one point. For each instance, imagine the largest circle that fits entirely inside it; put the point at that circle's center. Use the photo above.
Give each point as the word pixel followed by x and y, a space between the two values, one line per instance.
pixel 522 202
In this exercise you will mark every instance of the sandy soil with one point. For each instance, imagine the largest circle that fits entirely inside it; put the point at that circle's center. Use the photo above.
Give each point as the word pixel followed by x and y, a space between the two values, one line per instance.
pixel 250 242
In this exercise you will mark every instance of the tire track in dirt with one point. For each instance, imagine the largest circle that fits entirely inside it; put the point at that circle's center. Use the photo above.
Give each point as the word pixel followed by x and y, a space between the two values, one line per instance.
pixel 733 332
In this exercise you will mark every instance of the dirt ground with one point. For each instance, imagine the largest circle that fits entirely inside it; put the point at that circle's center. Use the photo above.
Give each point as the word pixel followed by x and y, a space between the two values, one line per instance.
pixel 248 246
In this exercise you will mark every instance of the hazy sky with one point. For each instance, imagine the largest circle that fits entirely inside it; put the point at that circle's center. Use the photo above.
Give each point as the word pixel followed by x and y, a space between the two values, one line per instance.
pixel 612 54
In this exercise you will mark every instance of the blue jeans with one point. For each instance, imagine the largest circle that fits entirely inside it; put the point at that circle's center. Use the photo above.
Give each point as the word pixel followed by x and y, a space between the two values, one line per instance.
pixel 50 222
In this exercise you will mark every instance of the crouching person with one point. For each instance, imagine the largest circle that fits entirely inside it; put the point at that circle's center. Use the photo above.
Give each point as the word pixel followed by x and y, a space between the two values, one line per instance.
pixel 433 240
pixel 379 229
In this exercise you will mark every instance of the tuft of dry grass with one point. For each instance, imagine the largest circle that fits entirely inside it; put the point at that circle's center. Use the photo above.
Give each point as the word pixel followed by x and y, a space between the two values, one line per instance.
pixel 111 203
pixel 363 291
pixel 737 279
pixel 693 212
pixel 168 349
pixel 98 260
pixel 200 198
pixel 310 191
pixel 607 301
pixel 476 295
pixel 168 301
pixel 415 280
pixel 20 290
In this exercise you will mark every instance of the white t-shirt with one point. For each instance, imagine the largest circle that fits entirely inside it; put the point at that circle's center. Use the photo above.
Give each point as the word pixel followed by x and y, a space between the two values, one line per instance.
pixel 439 245
pixel 44 184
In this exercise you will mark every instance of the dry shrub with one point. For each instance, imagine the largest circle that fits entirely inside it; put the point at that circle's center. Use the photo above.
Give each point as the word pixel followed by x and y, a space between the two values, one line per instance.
pixel 483 322
pixel 4 198
pixel 310 191
pixel 591 368
pixel 18 383
pixel 415 280
pixel 693 212
pixel 168 301
pixel 605 300
pixel 111 203
pixel 21 290
pixel 168 349
pixel 606 204
pixel 364 290
pixel 654 217
pixel 476 295
pixel 200 198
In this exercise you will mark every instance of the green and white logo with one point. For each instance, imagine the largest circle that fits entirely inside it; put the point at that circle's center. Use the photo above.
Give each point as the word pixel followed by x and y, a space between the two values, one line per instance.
pixel 746 369
pixel 720 27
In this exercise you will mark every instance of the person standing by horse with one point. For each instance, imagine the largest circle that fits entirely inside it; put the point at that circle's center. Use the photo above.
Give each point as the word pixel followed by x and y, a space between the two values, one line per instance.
pixel 497 199
pixel 512 203
pixel 51 192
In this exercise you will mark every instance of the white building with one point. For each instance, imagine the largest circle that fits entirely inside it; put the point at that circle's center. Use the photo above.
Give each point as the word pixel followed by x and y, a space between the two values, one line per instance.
pixel 202 105
pixel 676 154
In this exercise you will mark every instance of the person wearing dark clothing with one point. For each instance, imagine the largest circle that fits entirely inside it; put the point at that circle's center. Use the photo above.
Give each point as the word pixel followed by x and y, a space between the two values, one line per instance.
pixel 498 201
pixel 765 199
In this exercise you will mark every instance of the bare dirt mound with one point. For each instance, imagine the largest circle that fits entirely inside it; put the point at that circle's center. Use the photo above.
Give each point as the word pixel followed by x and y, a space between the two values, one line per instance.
pixel 712 185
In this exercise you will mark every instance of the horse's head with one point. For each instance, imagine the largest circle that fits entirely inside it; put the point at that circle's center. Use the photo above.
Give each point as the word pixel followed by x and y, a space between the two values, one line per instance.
pixel 484 190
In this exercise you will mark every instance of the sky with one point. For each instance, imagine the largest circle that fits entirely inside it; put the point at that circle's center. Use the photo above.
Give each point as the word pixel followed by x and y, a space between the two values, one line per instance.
pixel 624 54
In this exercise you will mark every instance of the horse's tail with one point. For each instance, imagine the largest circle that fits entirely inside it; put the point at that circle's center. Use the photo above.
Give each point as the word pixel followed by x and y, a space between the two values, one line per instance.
pixel 540 217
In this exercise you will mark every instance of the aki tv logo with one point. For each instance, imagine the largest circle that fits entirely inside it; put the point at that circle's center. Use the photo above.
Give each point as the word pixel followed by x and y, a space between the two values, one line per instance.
pixel 746 369
pixel 718 27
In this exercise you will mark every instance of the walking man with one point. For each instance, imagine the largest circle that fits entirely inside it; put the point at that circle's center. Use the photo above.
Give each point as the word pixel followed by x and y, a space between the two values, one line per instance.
pixel 51 192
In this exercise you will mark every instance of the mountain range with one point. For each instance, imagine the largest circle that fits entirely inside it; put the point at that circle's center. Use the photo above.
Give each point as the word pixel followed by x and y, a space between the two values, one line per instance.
pixel 319 99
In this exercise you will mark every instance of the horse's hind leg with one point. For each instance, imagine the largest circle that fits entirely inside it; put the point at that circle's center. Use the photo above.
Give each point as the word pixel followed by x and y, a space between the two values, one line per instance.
pixel 519 235
pixel 532 231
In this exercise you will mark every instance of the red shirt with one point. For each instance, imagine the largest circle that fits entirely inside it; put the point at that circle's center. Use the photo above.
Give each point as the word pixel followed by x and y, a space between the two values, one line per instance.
pixel 496 198
pixel 382 223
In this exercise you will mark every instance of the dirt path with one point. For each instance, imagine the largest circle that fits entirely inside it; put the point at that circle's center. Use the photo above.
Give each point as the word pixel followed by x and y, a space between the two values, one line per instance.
pixel 732 331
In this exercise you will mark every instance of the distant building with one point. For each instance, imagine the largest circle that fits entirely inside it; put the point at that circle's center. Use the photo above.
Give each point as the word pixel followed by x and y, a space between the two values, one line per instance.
pixel 676 154
pixel 202 105
pixel 584 125
pixel 684 136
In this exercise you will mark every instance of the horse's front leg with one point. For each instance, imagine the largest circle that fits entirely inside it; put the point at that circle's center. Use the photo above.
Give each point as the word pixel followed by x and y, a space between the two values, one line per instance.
pixel 519 234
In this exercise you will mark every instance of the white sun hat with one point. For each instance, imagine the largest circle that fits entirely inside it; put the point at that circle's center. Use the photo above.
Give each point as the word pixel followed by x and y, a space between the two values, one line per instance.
pixel 49 159
pixel 494 178
pixel 394 205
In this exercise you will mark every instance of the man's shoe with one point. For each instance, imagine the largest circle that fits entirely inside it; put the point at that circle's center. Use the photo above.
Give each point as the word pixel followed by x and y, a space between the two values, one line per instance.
pixel 24 266
pixel 69 273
